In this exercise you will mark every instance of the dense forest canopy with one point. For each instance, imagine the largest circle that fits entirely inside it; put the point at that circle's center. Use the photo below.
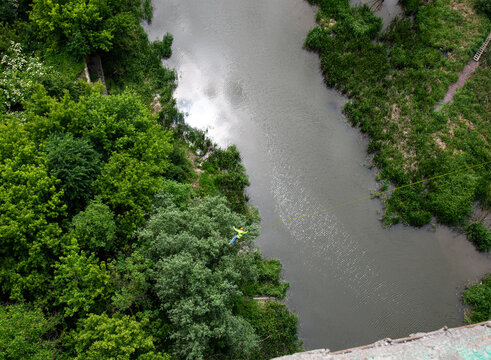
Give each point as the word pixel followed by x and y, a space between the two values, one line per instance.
pixel 111 245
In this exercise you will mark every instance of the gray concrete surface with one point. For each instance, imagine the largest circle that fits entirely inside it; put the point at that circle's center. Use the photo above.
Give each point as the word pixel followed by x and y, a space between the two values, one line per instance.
pixel 466 342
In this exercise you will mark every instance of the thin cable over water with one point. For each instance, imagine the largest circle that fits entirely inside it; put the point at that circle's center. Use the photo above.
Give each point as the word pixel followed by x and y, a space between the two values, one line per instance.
pixel 374 195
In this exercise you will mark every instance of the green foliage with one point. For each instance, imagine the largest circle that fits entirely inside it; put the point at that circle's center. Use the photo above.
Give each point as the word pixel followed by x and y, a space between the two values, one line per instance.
pixel 452 198
pixel 411 6
pixel 141 71
pixel 80 174
pixel 86 27
pixel 76 164
pixel 130 278
pixel 275 326
pixel 359 22
pixel 30 207
pixel 163 48
pixel 479 235
pixel 116 123
pixel 127 185
pixel 478 297
pixel 180 194
pixel 12 10
pixel 197 276
pixel 95 228
pixel 180 169
pixel 147 10
pixel 23 334
pixel 19 74
pixel 117 337
pixel 317 39
pixel 484 6
pixel 225 175
pixel 78 25
pixel 81 283
pixel 268 282
pixel 133 146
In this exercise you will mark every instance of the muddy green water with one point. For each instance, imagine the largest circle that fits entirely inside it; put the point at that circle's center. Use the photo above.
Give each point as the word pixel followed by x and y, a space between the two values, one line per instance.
pixel 244 75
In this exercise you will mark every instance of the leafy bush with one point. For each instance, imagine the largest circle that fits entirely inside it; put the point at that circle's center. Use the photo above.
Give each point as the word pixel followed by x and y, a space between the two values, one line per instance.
pixel 117 337
pixel 317 39
pixel 163 48
pixel 23 334
pixel 139 70
pixel 94 228
pixel 30 208
pixel 360 22
pixel 410 6
pixel 226 175
pixel 478 297
pixel 19 75
pixel 479 235
pixel 484 6
pixel 269 283
pixel 81 283
pixel 76 164
pixel 452 198
pixel 84 28
pixel 274 325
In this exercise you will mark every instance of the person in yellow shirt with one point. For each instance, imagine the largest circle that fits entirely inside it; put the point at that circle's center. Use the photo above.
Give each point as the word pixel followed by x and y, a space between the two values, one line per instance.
pixel 240 233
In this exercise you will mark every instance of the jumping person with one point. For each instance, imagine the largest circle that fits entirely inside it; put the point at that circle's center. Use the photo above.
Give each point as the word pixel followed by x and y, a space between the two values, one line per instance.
pixel 240 233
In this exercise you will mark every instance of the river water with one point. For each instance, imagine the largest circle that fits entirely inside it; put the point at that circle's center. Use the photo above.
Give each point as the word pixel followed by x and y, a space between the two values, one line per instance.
pixel 244 76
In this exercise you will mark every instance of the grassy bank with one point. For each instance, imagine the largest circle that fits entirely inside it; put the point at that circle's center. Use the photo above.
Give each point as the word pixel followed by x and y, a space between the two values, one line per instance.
pixel 394 80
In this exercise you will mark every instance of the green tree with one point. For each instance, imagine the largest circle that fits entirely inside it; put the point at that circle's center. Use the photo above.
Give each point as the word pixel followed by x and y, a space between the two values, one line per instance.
pixel 134 150
pixel 130 278
pixel 82 27
pixel 198 276
pixel 163 48
pixel 76 164
pixel 226 175
pixel 30 207
pixel 81 283
pixel 94 228
pixel 101 337
pixel 128 185
pixel 23 334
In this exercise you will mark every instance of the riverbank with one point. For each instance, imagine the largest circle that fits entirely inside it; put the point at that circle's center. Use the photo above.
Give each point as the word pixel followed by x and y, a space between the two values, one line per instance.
pixel 394 80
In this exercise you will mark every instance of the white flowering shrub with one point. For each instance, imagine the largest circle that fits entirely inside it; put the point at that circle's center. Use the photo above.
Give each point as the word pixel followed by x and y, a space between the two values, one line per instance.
pixel 18 74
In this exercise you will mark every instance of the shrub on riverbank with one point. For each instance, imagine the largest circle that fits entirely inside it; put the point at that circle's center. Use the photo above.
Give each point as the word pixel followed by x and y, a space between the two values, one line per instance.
pixel 478 297
pixel 479 235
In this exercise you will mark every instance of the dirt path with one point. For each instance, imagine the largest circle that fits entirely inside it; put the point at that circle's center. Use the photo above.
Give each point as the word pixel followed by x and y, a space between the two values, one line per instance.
pixel 463 76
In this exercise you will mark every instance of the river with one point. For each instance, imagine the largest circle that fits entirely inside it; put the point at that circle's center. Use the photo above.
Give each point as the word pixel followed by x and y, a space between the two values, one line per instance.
pixel 244 76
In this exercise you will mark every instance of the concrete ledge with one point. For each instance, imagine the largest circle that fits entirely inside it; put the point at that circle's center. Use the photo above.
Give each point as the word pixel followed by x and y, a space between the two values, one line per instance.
pixel 465 342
